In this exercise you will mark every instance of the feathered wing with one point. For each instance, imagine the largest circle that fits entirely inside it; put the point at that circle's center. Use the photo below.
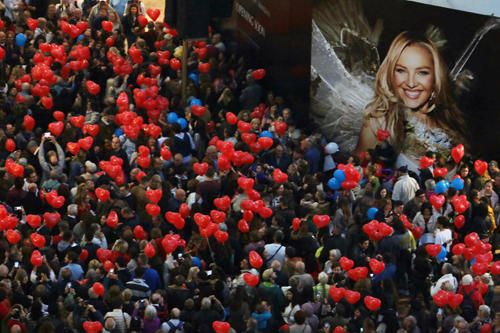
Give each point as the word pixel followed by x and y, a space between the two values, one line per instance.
pixel 337 98
pixel 344 60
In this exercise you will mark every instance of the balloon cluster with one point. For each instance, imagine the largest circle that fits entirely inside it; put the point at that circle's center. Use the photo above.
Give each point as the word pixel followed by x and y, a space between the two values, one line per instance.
pixel 346 177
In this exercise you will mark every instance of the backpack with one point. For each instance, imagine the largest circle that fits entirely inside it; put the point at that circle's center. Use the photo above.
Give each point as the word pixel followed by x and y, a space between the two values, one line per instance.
pixel 173 328
pixel 468 309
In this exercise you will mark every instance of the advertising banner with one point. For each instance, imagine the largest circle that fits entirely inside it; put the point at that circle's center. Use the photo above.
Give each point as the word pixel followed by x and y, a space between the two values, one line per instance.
pixel 416 76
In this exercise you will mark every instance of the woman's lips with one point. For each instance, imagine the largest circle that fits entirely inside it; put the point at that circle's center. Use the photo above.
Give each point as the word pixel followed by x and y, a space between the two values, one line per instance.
pixel 412 94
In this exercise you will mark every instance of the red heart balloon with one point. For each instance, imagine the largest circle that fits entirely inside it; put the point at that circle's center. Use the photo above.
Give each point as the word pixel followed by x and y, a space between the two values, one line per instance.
pixel 372 303
pixel 231 118
pixel 481 167
pixel 336 293
pixel 479 268
pixel 37 240
pixel 458 249
pixel 103 254
pixel 13 236
pixel 142 20
pixel 471 239
pixel 279 176
pixel 10 145
pixel 86 143
pixel 221 327
pixel 248 215
pixel 102 194
pixel 440 172
pixel 455 300
pixel 32 23
pixel 28 122
pixel 437 201
pixel 221 236
pixel 339 329
pixel 153 209
pixel 296 224
pixel 346 263
pixel 200 168
pixel 92 87
pixel 382 135
pixel 217 216
pixel 36 258
pixel 154 196
pixel 243 126
pixel 107 26
pixel 265 142
pixel 376 266
pixel 255 259
pixel 91 129
pixel 77 121
pixel 204 67
pixel 175 64
pixel 265 212
pixel 495 268
pixel 243 226
pixel 246 183
pixel 149 250
pixel 321 221
pixel 98 289
pixel 165 153
pixel 457 153
pixel 441 298
pixel 92 326
pixel 250 279
pixel 34 221
pixel 153 13
pixel 459 221
pixel 352 297
pixel 139 232
pixel 259 74
pixel 51 219
pixel 222 203
pixel 112 219
pixel 198 110
pixel 433 249
pixel 426 162
pixel 358 273
pixel 56 128
pixel 280 127
pixel 73 147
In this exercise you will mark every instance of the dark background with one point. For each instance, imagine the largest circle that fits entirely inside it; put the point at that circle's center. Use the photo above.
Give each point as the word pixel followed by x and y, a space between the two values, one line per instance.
pixel 285 51
pixel 481 106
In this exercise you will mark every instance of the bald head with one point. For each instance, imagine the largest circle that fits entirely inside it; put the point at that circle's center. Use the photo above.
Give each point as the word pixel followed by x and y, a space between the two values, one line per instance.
pixel 180 194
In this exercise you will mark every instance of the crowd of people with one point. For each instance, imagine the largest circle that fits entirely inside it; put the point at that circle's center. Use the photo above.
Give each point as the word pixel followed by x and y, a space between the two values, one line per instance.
pixel 124 208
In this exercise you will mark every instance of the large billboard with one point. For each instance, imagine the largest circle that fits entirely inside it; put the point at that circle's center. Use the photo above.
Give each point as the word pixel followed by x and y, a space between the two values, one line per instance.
pixel 420 75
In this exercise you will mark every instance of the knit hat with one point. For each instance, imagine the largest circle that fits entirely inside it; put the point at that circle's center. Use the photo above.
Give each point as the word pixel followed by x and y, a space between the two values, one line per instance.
pixel 467 280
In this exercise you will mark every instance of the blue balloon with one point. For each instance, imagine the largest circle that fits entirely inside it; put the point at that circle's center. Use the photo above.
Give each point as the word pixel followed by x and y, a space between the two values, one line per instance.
pixel 372 211
pixel 441 186
pixel 442 255
pixel 196 262
pixel 266 134
pixel 182 122
pixel 457 184
pixel 334 184
pixel 172 118
pixel 195 101
pixel 339 175
pixel 118 132
pixel 79 38
pixel 21 39
pixel 194 77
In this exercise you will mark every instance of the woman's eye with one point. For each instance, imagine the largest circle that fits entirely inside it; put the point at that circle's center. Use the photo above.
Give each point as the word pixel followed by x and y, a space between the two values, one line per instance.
pixel 423 73
pixel 400 70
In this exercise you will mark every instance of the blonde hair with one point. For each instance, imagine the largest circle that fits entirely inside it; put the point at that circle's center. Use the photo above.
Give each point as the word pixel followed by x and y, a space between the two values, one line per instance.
pixel 386 102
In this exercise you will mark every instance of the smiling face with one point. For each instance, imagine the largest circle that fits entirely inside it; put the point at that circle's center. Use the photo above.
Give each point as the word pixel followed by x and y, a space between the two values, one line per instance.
pixel 413 77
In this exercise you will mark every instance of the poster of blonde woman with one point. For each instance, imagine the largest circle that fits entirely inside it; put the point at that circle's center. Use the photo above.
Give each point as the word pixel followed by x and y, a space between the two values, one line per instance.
pixel 405 79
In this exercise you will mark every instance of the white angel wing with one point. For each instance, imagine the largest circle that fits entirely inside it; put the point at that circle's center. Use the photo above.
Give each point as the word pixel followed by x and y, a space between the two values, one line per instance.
pixel 337 97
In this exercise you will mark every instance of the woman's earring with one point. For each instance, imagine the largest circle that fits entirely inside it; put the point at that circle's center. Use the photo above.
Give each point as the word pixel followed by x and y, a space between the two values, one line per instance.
pixel 431 105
